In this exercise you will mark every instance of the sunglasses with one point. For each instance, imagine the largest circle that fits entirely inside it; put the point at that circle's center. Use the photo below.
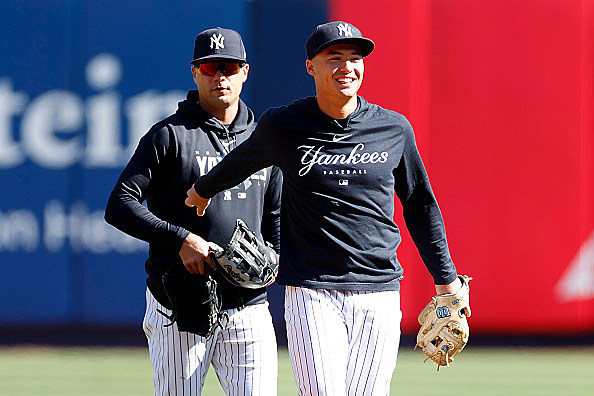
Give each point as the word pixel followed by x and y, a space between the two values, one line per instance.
pixel 211 68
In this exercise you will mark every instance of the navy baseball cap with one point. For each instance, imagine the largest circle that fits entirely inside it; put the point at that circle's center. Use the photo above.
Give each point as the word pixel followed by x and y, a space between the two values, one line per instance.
pixel 219 43
pixel 332 33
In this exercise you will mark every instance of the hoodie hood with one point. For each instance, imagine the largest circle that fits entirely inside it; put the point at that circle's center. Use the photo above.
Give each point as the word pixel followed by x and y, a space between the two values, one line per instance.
pixel 191 108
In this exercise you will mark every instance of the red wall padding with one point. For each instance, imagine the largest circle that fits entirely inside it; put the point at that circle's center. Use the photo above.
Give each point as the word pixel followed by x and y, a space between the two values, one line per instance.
pixel 500 95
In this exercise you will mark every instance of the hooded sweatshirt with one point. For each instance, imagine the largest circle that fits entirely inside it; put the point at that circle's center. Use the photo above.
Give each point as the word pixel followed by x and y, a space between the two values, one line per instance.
pixel 339 180
pixel 168 159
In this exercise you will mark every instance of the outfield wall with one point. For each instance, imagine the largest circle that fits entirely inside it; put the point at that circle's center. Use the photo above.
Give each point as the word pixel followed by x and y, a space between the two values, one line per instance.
pixel 499 93
pixel 501 98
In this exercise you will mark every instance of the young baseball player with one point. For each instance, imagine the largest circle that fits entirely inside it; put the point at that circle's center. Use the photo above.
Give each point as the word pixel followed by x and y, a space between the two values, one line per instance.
pixel 343 159
pixel 208 125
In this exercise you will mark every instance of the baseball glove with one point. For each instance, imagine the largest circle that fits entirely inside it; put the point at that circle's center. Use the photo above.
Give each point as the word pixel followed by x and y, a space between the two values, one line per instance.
pixel 245 261
pixel 444 328
pixel 194 302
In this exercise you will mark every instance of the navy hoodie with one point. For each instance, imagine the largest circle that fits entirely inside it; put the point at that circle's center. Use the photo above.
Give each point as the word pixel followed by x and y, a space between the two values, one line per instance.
pixel 168 159
pixel 339 180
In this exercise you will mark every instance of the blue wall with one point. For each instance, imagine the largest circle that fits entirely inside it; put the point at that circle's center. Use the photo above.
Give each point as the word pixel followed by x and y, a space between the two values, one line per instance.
pixel 80 82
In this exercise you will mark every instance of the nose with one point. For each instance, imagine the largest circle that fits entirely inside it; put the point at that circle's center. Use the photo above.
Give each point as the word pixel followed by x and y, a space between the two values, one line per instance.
pixel 219 75
pixel 347 66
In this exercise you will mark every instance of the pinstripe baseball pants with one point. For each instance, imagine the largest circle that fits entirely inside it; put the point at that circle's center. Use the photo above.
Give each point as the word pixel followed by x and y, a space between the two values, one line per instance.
pixel 342 342
pixel 243 355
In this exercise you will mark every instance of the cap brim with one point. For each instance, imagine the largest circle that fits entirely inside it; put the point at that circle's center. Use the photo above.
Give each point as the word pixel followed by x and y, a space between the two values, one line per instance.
pixel 218 56
pixel 365 45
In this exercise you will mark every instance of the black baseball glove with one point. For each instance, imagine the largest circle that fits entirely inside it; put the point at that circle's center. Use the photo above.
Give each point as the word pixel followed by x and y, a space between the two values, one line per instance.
pixel 194 301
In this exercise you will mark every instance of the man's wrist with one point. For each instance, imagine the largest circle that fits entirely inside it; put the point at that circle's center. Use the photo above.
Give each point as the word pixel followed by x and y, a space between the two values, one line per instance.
pixel 450 288
pixel 197 188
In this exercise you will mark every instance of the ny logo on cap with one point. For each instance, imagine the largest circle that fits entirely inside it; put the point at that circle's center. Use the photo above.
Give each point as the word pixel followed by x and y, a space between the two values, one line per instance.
pixel 344 30
pixel 217 42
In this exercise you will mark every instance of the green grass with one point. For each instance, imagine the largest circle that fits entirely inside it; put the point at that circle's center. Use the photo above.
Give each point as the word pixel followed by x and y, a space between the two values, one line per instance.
pixel 477 371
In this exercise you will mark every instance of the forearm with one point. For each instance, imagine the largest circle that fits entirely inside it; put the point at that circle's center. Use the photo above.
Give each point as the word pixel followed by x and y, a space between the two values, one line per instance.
pixel 237 166
pixel 425 223
pixel 130 216
pixel 225 175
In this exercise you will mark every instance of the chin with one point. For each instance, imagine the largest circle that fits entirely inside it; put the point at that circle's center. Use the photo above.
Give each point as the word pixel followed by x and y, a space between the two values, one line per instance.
pixel 350 90
pixel 349 93
pixel 224 99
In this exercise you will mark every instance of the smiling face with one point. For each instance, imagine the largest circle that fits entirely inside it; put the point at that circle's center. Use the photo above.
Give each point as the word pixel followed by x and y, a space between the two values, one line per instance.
pixel 219 91
pixel 338 72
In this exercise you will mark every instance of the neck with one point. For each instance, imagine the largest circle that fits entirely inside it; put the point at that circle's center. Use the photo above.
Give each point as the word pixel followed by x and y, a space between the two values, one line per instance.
pixel 337 108
pixel 225 114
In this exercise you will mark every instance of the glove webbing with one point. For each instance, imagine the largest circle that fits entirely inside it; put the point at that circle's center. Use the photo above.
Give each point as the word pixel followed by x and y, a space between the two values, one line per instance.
pixel 245 244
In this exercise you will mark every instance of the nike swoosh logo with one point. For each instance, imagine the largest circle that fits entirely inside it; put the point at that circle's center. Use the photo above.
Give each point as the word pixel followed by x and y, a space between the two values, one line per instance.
pixel 339 138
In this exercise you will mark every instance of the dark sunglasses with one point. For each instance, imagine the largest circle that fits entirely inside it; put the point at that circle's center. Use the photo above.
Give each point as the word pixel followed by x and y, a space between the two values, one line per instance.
pixel 211 68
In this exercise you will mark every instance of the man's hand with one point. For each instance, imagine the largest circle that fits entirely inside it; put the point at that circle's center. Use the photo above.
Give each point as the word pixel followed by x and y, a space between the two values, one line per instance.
pixel 196 200
pixel 194 253
pixel 451 288
pixel 444 328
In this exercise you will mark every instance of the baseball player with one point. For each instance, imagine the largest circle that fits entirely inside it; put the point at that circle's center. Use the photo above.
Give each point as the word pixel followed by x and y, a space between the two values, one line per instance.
pixel 342 159
pixel 209 124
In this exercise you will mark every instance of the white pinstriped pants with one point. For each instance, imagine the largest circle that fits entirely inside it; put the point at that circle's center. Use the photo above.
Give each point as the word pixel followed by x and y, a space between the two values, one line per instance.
pixel 342 342
pixel 243 355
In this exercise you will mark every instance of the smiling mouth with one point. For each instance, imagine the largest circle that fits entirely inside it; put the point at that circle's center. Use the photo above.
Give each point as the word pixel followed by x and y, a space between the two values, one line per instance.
pixel 345 80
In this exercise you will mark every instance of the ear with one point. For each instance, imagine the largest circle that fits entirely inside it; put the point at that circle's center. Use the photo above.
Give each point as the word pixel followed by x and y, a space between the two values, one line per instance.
pixel 194 72
pixel 309 66
pixel 245 71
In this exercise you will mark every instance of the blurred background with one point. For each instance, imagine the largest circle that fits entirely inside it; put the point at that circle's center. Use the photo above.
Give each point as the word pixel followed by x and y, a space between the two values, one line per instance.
pixel 499 93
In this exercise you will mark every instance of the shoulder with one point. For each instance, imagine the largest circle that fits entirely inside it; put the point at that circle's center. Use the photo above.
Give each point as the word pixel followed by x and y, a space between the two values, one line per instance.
pixel 157 131
pixel 386 114
pixel 288 112
pixel 174 127
pixel 167 134
pixel 389 121
pixel 160 133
